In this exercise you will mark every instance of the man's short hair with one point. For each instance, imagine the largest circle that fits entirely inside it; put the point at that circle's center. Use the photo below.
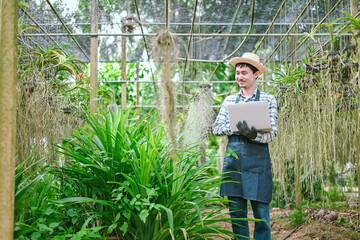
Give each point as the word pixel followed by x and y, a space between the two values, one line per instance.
pixel 253 69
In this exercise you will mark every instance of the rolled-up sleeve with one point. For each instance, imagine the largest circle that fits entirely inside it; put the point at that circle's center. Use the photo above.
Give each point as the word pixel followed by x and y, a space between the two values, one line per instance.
pixel 221 125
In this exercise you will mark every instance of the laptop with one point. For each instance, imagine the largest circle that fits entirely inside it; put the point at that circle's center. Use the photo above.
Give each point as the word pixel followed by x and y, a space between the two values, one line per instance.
pixel 255 113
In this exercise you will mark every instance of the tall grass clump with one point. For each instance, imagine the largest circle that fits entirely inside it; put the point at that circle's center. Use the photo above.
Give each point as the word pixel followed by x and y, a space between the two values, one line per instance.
pixel 122 172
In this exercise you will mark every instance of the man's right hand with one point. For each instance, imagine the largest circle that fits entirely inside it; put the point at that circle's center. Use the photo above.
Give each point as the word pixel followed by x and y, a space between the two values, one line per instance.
pixel 244 130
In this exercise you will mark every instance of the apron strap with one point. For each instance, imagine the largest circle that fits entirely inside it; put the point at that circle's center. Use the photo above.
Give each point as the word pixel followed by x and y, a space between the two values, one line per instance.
pixel 257 96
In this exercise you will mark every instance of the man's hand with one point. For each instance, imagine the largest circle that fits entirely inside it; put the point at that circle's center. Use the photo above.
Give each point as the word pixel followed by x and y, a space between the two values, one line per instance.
pixel 243 129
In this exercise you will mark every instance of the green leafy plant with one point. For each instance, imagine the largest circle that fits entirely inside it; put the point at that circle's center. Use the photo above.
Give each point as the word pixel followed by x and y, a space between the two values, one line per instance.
pixel 38 215
pixel 352 25
pixel 122 170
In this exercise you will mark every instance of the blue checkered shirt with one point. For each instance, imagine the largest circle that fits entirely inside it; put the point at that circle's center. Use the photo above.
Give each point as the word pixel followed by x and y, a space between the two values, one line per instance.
pixel 221 125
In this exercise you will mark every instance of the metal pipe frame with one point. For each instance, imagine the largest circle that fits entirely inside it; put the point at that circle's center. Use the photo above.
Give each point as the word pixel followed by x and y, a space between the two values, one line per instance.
pixel 174 34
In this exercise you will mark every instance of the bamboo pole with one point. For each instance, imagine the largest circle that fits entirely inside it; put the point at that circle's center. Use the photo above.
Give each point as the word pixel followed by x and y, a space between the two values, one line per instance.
pixel 94 54
pixel 8 79
pixel 354 6
pixel 263 87
pixel 123 68
pixel 354 9
pixel 137 84
pixel 292 48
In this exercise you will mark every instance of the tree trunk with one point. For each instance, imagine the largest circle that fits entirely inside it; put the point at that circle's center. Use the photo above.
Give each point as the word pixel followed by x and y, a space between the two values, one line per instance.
pixel 8 78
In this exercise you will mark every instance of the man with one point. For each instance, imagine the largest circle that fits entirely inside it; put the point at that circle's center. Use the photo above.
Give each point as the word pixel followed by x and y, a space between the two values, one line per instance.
pixel 248 174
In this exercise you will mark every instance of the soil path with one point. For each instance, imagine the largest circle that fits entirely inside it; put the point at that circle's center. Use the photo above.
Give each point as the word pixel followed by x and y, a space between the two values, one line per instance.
pixel 315 230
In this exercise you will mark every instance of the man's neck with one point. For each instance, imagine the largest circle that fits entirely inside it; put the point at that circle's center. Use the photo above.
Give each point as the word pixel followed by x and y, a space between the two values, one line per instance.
pixel 247 93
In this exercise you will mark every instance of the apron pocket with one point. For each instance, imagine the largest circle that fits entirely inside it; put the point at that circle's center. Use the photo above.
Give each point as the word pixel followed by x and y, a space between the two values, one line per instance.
pixel 255 158
pixel 231 162
pixel 253 164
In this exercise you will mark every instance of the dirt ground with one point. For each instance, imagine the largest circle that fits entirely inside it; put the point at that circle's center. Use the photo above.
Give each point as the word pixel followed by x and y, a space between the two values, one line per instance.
pixel 313 229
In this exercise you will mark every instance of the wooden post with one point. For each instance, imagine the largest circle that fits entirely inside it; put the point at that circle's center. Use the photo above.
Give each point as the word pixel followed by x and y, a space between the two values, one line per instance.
pixel 354 9
pixel 94 54
pixel 263 87
pixel 8 78
pixel 123 68
pixel 354 6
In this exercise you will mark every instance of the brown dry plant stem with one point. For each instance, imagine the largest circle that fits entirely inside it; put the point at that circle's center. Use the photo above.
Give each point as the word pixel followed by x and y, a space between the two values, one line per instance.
pixel 41 121
pixel 318 135
pixel 165 52
pixel 199 119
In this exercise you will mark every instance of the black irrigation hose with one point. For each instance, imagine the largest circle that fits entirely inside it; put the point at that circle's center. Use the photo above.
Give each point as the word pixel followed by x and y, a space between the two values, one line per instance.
pixel 306 38
pixel 292 232
pixel 72 37
pixel 62 22
pixel 145 44
pixel 271 24
pixel 191 32
pixel 38 25
pixel 241 44
pixel 290 28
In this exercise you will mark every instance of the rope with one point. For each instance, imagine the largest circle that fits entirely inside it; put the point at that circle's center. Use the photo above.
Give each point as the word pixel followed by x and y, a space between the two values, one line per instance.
pixel 167 15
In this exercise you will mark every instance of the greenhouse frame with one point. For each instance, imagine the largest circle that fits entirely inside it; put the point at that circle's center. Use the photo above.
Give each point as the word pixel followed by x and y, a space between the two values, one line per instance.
pixel 107 106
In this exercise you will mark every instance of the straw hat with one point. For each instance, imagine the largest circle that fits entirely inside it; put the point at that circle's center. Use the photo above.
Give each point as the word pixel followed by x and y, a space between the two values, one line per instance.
pixel 250 58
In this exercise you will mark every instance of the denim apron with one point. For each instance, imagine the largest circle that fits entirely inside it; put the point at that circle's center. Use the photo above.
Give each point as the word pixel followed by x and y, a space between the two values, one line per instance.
pixel 249 175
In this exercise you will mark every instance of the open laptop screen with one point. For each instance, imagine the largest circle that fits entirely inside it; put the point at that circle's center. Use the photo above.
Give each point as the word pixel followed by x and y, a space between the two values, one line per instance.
pixel 255 113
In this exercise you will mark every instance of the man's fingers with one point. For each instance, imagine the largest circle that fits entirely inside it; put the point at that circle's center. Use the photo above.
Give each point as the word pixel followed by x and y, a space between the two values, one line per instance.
pixel 245 125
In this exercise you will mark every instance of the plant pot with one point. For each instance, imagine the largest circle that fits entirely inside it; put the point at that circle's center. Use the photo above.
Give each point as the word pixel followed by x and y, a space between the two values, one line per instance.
pixel 205 86
pixel 67 110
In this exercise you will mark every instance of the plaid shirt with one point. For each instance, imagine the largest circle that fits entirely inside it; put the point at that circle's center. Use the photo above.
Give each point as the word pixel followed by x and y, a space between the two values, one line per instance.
pixel 221 125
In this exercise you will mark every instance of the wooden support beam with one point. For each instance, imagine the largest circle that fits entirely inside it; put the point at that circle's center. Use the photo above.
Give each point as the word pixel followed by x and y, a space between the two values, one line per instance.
pixel 8 79
pixel 94 59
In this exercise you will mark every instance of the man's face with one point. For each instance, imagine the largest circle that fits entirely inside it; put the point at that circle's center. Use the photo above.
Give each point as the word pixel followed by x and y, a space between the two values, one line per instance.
pixel 245 77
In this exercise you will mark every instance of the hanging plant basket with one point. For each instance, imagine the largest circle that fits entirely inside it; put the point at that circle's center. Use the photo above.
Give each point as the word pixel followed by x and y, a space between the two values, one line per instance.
pixel 205 86
pixel 284 88
pixel 333 58
pixel 315 68
pixel 350 51
pixel 29 86
pixel 68 110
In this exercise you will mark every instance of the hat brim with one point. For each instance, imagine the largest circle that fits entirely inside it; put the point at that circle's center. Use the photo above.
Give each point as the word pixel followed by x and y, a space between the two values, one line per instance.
pixel 237 60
